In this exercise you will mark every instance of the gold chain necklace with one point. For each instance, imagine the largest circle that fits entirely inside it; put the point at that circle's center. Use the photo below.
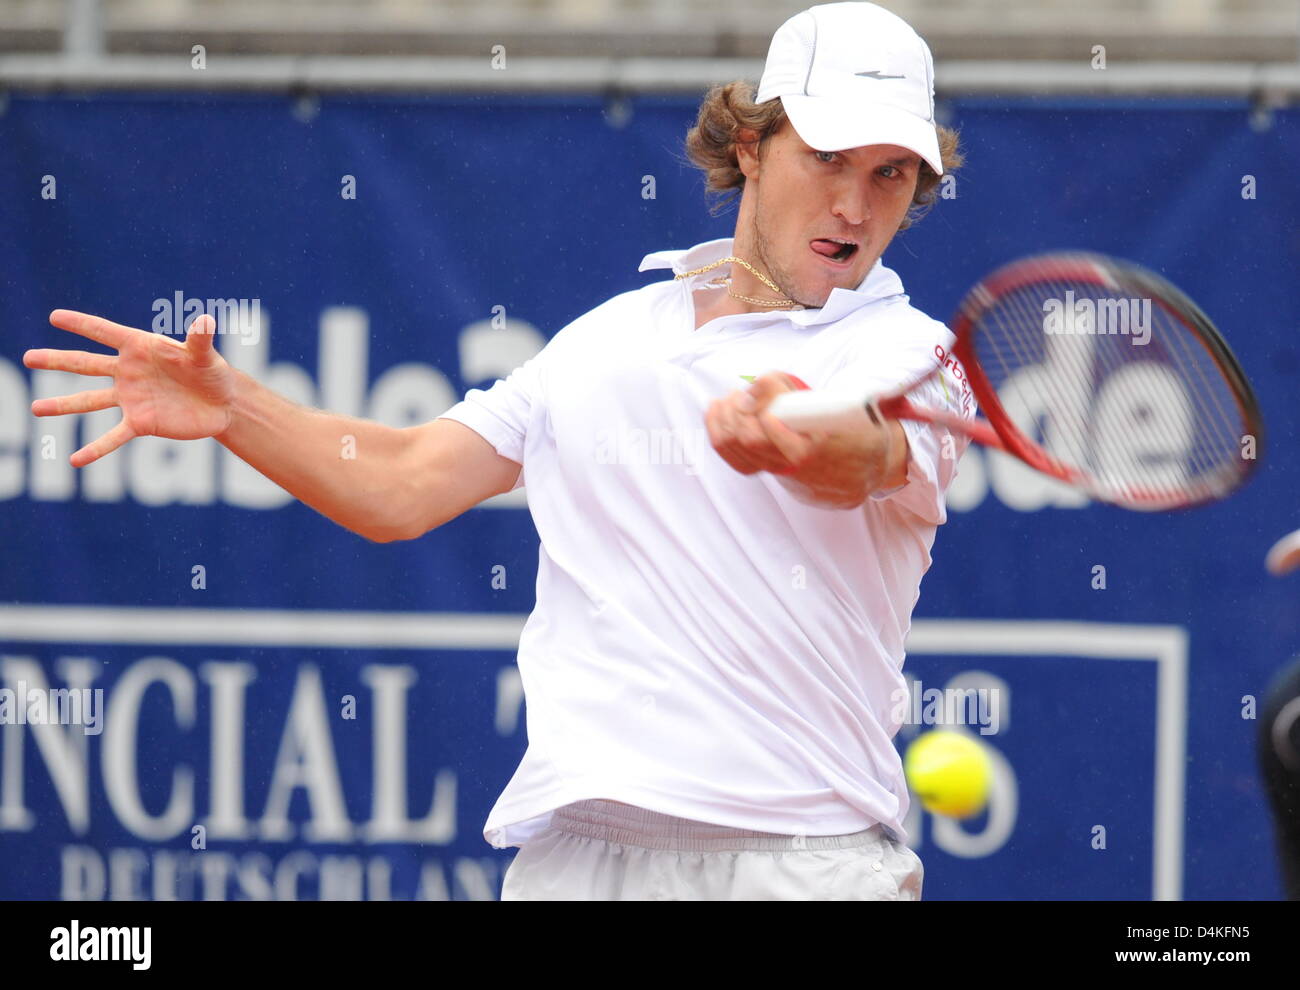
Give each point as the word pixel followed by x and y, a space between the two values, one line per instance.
pixel 736 295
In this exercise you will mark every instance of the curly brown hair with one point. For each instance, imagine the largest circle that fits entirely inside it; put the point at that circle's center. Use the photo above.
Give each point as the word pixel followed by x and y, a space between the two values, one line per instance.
pixel 729 108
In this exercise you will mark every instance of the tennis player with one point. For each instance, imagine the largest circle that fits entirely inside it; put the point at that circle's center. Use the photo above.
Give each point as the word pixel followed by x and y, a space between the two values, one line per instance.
pixel 713 666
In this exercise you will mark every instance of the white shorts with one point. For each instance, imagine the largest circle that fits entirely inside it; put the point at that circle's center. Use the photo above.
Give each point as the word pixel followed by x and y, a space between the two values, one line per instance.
pixel 606 851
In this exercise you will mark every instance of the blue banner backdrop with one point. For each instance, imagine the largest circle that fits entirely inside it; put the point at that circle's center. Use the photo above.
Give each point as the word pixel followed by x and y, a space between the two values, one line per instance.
pixel 293 712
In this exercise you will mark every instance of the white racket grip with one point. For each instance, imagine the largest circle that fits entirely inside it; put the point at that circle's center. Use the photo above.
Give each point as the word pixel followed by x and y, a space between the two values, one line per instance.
pixel 810 409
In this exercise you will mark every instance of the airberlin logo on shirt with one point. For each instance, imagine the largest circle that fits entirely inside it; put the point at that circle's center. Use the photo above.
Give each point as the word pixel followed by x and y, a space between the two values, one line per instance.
pixel 949 363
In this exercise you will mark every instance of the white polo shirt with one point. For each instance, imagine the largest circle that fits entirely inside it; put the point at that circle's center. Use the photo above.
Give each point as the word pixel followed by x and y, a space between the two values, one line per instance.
pixel 704 644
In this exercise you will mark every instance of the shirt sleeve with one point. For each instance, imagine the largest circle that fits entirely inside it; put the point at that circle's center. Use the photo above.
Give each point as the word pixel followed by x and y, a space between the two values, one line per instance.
pixel 933 451
pixel 504 413
pixel 501 414
pixel 932 455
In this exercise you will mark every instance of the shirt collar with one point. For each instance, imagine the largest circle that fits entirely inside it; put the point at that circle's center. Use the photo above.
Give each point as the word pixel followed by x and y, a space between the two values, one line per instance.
pixel 880 282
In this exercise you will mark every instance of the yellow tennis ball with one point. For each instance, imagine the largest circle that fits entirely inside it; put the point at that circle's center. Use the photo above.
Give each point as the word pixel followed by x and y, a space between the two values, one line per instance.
pixel 949 772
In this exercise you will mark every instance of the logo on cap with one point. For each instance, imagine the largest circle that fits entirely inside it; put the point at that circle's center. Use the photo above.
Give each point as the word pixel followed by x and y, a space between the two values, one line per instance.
pixel 877 74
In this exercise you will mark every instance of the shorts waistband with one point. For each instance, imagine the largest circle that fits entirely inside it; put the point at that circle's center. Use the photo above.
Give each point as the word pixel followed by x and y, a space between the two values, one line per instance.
pixel 626 824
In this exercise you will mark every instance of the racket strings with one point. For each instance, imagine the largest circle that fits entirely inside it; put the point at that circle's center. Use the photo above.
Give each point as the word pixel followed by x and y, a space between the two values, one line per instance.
pixel 1069 442
pixel 1018 352
pixel 1232 423
pixel 1101 360
pixel 1217 410
pixel 1079 439
pixel 1115 385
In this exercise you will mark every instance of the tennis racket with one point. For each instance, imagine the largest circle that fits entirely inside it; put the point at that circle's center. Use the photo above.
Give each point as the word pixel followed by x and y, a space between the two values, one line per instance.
pixel 1091 370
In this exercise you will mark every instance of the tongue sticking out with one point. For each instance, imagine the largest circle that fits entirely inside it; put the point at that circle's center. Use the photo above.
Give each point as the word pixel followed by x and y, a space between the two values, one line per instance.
pixel 832 249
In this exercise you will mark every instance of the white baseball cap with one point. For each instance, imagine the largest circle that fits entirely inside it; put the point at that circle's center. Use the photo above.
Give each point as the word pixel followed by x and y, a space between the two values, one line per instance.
pixel 853 74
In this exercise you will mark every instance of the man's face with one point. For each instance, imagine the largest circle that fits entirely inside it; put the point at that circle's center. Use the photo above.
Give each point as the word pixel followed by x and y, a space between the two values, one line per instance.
pixel 797 200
